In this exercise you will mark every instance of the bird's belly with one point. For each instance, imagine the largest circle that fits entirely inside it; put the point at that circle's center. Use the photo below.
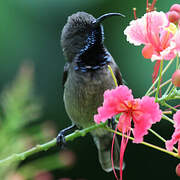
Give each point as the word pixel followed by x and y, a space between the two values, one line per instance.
pixel 83 99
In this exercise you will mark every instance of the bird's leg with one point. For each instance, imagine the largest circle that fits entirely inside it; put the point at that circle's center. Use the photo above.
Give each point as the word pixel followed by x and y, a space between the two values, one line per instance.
pixel 60 139
pixel 112 123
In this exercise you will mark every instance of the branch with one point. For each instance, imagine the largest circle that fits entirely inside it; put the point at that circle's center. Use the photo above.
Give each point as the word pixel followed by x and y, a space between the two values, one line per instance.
pixel 48 145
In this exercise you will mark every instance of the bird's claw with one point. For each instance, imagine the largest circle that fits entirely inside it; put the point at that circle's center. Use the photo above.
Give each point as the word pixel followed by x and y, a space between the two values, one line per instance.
pixel 60 139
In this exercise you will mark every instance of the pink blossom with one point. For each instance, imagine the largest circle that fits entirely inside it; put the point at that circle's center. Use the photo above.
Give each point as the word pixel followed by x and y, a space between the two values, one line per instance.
pixel 176 135
pixel 143 112
pixel 112 103
pixel 150 114
pixel 152 31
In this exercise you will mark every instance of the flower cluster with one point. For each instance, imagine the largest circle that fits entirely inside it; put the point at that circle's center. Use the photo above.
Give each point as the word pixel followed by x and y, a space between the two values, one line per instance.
pixel 159 32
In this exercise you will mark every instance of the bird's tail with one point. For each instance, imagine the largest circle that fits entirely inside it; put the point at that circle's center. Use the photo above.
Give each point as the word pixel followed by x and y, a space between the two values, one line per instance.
pixel 104 145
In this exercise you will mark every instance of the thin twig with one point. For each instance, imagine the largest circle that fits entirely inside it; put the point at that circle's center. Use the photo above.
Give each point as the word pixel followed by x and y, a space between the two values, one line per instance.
pixel 48 145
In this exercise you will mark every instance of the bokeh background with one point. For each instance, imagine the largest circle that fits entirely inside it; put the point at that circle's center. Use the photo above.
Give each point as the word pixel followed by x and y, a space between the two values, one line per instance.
pixel 32 109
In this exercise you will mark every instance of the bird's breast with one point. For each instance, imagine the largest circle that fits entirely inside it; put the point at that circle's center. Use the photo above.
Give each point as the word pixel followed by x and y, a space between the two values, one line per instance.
pixel 83 94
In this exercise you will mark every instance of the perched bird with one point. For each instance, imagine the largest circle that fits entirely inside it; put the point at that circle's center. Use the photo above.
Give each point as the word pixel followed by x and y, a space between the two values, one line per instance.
pixel 86 77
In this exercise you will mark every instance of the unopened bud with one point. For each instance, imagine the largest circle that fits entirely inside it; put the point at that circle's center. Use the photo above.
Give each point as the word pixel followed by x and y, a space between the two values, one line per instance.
pixel 178 169
pixel 173 16
pixel 174 13
pixel 176 78
pixel 175 7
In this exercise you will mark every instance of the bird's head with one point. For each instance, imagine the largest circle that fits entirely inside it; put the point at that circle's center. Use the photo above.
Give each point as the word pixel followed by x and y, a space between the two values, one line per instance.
pixel 81 32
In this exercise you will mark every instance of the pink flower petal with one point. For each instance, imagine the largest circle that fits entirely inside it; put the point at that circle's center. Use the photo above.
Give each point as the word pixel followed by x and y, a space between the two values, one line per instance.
pixel 124 123
pixel 150 114
pixel 176 118
pixel 176 135
pixel 136 32
pixel 148 51
pixel 177 42
pixel 113 103
pixel 148 106
pixel 170 144
pixel 156 21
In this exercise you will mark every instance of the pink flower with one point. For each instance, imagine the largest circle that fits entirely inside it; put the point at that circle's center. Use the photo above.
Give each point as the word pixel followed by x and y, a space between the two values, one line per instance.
pixel 143 112
pixel 176 135
pixel 152 30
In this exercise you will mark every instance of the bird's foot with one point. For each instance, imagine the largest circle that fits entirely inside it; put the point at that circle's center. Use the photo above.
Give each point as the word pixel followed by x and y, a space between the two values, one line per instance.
pixel 60 139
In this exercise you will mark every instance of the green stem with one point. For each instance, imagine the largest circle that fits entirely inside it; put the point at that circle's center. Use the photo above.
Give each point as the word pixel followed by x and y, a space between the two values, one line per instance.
pixel 157 135
pixel 177 62
pixel 146 144
pixel 160 137
pixel 167 112
pixel 162 85
pixel 169 87
pixel 169 106
pixel 165 69
pixel 171 92
pixel 174 94
pixel 159 82
pixel 167 118
pixel 48 145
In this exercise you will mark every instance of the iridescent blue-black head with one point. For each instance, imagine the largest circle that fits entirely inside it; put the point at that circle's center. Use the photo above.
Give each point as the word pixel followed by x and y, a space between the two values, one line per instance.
pixel 82 39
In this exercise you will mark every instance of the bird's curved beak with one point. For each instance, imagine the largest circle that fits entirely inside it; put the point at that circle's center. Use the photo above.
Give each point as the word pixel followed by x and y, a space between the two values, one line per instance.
pixel 104 16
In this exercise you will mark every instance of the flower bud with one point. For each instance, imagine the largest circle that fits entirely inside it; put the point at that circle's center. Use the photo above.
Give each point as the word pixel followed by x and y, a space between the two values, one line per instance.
pixel 176 78
pixel 174 13
pixel 173 16
pixel 175 7
pixel 178 169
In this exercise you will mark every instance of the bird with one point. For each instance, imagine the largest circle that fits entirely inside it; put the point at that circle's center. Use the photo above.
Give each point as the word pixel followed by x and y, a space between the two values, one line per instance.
pixel 86 77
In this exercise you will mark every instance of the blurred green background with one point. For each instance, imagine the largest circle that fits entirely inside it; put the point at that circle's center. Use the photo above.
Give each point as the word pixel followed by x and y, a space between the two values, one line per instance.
pixel 30 32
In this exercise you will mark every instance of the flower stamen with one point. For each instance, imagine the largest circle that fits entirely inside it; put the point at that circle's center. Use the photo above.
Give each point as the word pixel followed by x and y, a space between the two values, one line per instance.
pixel 171 28
pixel 134 12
